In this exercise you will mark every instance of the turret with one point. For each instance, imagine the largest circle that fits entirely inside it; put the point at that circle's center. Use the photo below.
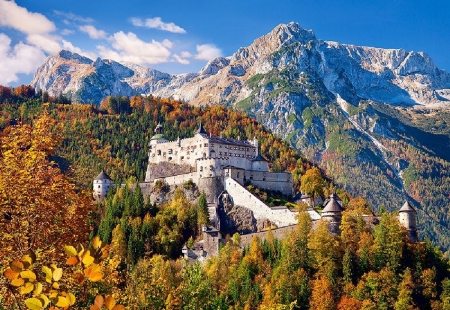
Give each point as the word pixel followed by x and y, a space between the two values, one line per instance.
pixel 333 214
pixel 102 183
pixel 159 135
pixel 201 130
pixel 407 216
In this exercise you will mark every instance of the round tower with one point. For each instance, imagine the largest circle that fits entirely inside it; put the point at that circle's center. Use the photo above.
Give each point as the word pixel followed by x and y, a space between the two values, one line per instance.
pixel 158 137
pixel 259 163
pixel 333 214
pixel 102 183
pixel 407 216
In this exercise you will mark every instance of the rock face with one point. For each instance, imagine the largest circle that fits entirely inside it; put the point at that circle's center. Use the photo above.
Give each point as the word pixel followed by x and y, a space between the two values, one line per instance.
pixel 385 75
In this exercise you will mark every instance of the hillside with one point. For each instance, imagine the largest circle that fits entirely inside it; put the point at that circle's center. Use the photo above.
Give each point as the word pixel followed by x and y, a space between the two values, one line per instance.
pixel 375 120
pixel 365 267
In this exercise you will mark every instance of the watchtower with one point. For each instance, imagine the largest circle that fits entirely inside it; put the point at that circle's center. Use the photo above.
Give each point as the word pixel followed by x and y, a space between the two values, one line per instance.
pixel 407 216
pixel 101 185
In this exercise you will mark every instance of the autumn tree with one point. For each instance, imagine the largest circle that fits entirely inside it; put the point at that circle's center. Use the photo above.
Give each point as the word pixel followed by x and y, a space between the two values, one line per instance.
pixel 312 182
pixel 40 207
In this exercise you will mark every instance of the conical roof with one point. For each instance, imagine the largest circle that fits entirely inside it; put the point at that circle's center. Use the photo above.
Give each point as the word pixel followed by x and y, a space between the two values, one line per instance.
pixel 201 130
pixel 103 176
pixel 258 158
pixel 332 206
pixel 407 208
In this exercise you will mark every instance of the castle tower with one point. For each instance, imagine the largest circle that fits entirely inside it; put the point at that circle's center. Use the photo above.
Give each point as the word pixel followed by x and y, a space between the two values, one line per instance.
pixel 201 130
pixel 407 216
pixel 259 163
pixel 102 183
pixel 158 137
pixel 333 214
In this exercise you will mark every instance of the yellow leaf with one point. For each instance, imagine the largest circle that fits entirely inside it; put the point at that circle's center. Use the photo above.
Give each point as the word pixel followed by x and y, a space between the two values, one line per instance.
pixel 93 273
pixel 57 274
pixel 10 274
pixel 62 302
pixel 72 260
pixel 98 301
pixel 17 282
pixel 96 243
pixel 118 307
pixel 94 307
pixel 109 302
pixel 37 289
pixel 27 288
pixel 29 258
pixel 44 299
pixel 55 285
pixel 28 274
pixel 71 298
pixel 34 304
pixel 48 273
pixel 16 265
pixel 87 258
pixel 70 250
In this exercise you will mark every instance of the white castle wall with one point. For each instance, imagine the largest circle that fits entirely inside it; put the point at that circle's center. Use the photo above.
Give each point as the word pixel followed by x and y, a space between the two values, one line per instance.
pixel 280 216
pixel 276 181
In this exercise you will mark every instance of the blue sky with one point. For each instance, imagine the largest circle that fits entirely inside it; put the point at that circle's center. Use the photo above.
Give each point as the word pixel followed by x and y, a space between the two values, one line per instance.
pixel 179 36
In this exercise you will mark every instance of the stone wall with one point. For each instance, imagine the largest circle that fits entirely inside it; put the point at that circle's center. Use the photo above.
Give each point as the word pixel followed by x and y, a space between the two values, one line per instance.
pixel 280 216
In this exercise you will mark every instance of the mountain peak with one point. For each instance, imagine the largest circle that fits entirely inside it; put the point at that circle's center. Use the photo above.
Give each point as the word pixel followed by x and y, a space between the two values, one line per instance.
pixel 288 33
pixel 65 54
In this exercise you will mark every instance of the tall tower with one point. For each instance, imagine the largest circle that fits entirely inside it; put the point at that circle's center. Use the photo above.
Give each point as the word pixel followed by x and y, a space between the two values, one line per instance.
pixel 333 214
pixel 407 216
pixel 102 183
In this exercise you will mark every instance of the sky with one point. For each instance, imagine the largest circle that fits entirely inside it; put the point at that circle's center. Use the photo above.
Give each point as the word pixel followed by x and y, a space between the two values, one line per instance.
pixel 179 36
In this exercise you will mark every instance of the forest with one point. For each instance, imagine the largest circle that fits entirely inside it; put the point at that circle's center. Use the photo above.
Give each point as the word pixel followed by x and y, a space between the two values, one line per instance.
pixel 61 250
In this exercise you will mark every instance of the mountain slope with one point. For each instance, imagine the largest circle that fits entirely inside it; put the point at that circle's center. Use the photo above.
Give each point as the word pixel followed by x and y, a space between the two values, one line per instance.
pixel 353 110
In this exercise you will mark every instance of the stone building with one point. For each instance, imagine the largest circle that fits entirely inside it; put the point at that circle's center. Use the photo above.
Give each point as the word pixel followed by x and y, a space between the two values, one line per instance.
pixel 204 156
pixel 101 185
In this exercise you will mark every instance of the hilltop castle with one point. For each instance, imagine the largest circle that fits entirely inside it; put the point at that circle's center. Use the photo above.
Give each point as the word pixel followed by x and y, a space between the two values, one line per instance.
pixel 221 168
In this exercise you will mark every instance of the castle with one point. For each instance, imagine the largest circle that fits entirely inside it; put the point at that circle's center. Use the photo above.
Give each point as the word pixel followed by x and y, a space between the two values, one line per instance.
pixel 221 167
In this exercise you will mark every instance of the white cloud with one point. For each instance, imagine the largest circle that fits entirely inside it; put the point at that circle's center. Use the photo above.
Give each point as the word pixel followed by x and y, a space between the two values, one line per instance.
pixel 70 16
pixel 48 43
pixel 157 23
pixel 66 32
pixel 19 18
pixel 93 32
pixel 207 52
pixel 181 60
pixel 167 43
pixel 128 47
pixel 186 54
pixel 21 59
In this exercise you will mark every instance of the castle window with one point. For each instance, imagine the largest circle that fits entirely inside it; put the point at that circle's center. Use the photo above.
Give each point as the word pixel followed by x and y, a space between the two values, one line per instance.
pixel 220 153
pixel 170 151
pixel 99 186
pixel 182 157
pixel 225 153
pixel 212 144
pixel 201 168
pixel 159 152
pixel 170 158
pixel 211 168
pixel 206 144
pixel 247 149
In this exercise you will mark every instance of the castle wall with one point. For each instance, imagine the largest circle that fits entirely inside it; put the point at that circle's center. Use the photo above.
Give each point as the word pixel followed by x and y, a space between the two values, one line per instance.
pixel 276 181
pixel 280 216
pixel 180 179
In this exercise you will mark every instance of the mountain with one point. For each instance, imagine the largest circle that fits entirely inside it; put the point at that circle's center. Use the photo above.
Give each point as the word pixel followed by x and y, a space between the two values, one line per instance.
pixel 376 120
